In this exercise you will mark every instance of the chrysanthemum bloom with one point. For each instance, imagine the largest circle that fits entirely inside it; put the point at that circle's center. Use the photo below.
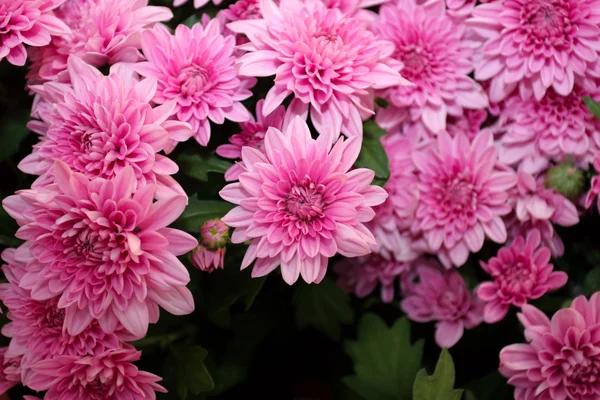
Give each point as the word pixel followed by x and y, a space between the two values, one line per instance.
pixel 362 275
pixel 210 254
pixel 103 32
pixel 300 204
pixel 535 45
pixel 242 10
pixel 536 207
pixel 36 328
pixel 393 218
pixel 521 272
pixel 469 123
pixel 463 195
pixel 436 59
pixel 561 359
pixel 30 22
pixel 326 59
pixel 252 135
pixel 555 128
pixel 10 373
pixel 442 296
pixel 102 124
pixel 103 247
pixel 196 68
pixel 107 376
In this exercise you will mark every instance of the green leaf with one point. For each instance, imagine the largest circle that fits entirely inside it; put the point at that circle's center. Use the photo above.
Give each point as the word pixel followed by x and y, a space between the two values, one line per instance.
pixel 252 291
pixel 12 132
pixel 323 306
pixel 385 361
pixel 490 387
pixel 197 167
pixel 440 385
pixel 372 154
pixel 592 105
pixel 592 281
pixel 191 375
pixel 199 211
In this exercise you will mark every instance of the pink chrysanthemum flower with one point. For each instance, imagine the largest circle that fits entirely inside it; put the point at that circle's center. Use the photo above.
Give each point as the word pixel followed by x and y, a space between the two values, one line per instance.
pixel 210 254
pixel 469 123
pixel 36 328
pixel 536 207
pixel 521 272
pixel 208 260
pixel 435 59
pixel 196 68
pixel 442 296
pixel 536 45
pixel 554 128
pixel 462 195
pixel 102 124
pixel 107 376
pixel 242 10
pixel 327 60
pixel 103 246
pixel 10 371
pixel 300 204
pixel 362 275
pixel 561 359
pixel 252 134
pixel 30 22
pixel 103 32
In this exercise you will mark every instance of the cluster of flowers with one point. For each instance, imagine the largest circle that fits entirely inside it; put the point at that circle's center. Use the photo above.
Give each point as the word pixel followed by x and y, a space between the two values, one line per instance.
pixel 483 102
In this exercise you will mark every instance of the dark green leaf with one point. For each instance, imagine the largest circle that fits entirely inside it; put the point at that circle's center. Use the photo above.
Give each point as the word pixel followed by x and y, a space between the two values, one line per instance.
pixel 197 167
pixel 440 385
pixel 372 154
pixel 323 306
pixel 199 211
pixel 592 281
pixel 254 288
pixel 12 132
pixel 382 102
pixel 191 20
pixel 192 376
pixel 385 361
pixel 490 387
pixel 592 105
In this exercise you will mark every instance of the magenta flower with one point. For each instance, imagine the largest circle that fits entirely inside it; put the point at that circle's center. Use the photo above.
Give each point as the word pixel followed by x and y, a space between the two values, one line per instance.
pixel 561 359
pixel 327 60
pixel 103 32
pixel 299 203
pixel 30 22
pixel 107 376
pixel 362 275
pixel 435 58
pixel 103 247
pixel 10 371
pixel 36 328
pixel 521 272
pixel 195 67
pixel 442 296
pixel 102 124
pixel 462 195
pixel 252 135
pixel 554 128
pixel 536 45
pixel 536 207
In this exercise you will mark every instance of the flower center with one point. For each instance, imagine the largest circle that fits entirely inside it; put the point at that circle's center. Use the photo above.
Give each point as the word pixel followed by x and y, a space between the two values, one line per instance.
pixel 416 63
pixel 193 80
pixel 546 20
pixel 458 195
pixel 55 317
pixel 70 12
pixel 97 390
pixel 305 201
pixel 581 371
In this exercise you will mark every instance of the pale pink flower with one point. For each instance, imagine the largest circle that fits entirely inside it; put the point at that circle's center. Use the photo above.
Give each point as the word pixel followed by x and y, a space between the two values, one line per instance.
pixel 463 195
pixel 103 32
pixel 107 376
pixel 196 68
pixel 299 203
pixel 561 359
pixel 102 124
pixel 536 207
pixel 252 134
pixel 521 272
pixel 362 275
pixel 555 128
pixel 327 60
pixel 103 247
pixel 536 45
pixel 36 328
pixel 27 22
pixel 442 296
pixel 435 59
pixel 197 3
pixel 10 371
